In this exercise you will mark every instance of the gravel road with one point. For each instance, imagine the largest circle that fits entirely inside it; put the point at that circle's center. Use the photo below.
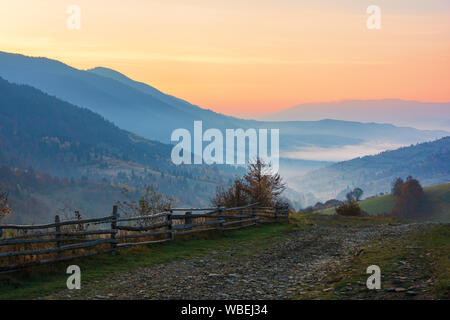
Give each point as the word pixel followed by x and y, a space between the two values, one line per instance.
pixel 281 269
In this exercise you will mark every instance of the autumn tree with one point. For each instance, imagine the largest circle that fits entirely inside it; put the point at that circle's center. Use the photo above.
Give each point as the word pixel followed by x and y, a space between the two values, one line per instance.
pixel 408 202
pixel 234 196
pixel 349 209
pixel 397 187
pixel 259 185
pixel 262 185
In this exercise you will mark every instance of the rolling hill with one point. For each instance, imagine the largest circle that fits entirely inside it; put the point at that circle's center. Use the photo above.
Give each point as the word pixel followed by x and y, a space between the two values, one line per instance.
pixel 435 206
pixel 427 162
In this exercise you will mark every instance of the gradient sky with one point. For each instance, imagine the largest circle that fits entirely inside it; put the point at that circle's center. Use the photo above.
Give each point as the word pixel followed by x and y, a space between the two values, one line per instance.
pixel 247 57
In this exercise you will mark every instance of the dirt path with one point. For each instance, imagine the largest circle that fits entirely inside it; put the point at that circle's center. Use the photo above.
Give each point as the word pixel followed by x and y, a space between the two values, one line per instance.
pixel 289 268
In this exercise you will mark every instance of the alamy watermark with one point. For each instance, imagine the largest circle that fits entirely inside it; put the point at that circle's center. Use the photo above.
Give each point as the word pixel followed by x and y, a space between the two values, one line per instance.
pixel 74 19
pixel 374 20
pixel 190 150
pixel 374 281
pixel 74 280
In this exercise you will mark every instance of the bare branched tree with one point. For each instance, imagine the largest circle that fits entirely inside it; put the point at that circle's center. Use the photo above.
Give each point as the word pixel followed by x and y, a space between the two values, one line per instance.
pixel 68 212
pixel 149 203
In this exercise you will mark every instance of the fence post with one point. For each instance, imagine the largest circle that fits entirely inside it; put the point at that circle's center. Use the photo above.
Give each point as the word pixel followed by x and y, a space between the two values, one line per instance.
pixel 78 217
pixel 114 228
pixel 188 218
pixel 169 224
pixel 58 235
pixel 219 213
pixel 286 213
pixel 253 210
pixel 276 213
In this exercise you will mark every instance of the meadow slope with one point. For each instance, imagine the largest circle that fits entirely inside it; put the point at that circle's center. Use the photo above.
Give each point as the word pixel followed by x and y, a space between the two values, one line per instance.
pixel 435 207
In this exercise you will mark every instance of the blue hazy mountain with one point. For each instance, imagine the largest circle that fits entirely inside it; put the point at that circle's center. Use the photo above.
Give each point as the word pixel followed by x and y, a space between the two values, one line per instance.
pixel 144 110
pixel 149 115
pixel 182 105
pixel 422 115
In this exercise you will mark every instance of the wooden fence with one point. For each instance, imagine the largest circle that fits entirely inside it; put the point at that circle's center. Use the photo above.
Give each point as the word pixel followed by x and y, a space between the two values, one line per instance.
pixel 22 246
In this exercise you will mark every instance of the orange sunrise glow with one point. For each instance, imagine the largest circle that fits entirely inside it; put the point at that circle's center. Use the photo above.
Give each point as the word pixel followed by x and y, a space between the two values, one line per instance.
pixel 247 58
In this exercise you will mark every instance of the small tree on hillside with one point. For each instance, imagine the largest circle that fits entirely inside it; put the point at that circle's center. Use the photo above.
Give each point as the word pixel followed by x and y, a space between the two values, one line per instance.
pixel 148 203
pixel 262 185
pixel 349 196
pixel 234 196
pixel 354 195
pixel 397 186
pixel 408 203
pixel 357 193
pixel 349 209
pixel 259 185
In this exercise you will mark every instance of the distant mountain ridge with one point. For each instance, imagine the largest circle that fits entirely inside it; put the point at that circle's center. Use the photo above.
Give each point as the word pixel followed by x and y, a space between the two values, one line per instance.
pixel 422 115
pixel 145 88
pixel 150 115
pixel 144 110
pixel 428 162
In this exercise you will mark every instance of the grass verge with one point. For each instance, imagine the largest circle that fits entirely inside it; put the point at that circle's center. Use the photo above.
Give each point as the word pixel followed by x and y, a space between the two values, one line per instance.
pixel 434 207
pixel 437 244
pixel 420 258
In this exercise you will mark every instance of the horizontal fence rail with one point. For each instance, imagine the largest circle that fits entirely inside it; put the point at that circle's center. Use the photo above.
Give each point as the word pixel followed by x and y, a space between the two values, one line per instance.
pixel 23 246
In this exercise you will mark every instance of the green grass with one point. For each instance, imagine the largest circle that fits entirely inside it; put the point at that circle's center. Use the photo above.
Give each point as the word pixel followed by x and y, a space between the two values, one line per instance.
pixel 437 242
pixel 306 220
pixel 379 205
pixel 44 280
pixel 436 205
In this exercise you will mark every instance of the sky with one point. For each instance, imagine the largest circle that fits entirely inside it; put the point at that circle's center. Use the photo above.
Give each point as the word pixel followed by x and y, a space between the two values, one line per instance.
pixel 247 57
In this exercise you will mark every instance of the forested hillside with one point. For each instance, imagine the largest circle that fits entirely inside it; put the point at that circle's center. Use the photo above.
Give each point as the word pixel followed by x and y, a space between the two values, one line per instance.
pixel 48 135
pixel 427 162
pixel 36 197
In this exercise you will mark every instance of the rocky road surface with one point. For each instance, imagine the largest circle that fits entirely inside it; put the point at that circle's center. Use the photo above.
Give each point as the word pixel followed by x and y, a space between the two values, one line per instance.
pixel 283 269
